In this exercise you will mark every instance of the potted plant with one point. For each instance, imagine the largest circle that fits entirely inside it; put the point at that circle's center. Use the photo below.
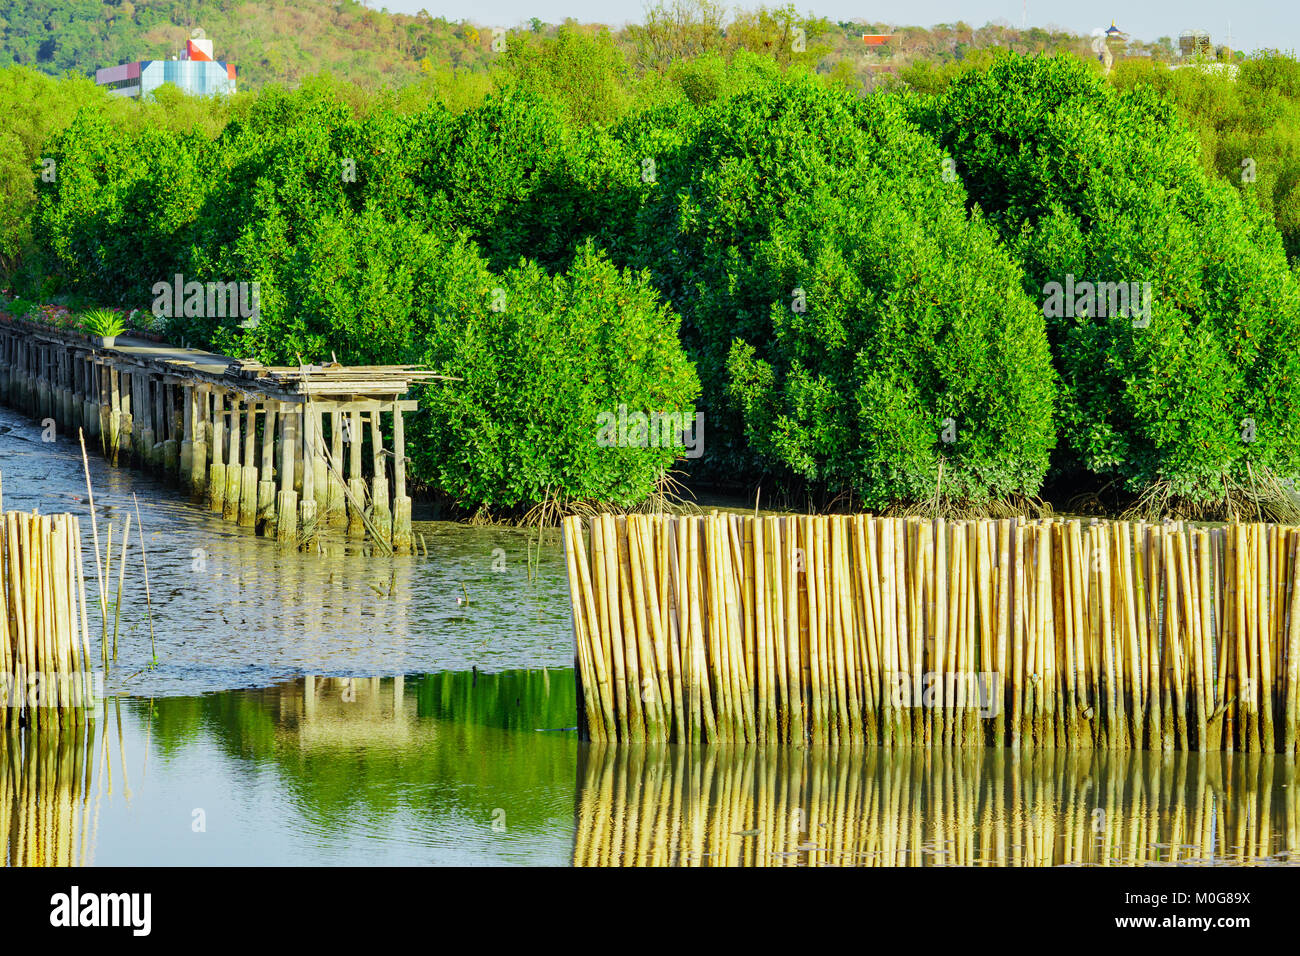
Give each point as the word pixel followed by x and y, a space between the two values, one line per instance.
pixel 104 326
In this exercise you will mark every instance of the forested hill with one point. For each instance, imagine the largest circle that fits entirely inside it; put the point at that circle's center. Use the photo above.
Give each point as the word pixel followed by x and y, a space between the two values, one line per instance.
pixel 270 41
pixel 284 41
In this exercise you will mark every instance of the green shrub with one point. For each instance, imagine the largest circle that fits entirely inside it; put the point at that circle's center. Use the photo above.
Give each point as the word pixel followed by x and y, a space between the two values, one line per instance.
pixel 539 377
pixel 1100 185
pixel 913 315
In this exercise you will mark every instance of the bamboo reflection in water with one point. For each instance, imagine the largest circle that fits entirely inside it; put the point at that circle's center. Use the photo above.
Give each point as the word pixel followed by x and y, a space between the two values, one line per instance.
pixel 673 806
pixel 49 792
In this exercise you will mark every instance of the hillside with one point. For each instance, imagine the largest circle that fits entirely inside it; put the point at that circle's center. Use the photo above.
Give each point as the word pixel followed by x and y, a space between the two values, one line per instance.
pixel 283 41
pixel 280 41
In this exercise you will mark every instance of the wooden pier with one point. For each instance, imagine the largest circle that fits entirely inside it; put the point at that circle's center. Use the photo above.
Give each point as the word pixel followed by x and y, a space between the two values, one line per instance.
pixel 289 451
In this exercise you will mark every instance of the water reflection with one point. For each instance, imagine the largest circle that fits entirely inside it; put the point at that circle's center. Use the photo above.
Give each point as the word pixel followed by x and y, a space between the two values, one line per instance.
pixel 46 781
pixel 671 806
pixel 456 767
pixel 472 768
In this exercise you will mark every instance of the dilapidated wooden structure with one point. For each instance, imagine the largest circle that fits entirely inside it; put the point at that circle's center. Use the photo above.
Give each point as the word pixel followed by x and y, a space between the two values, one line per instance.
pixel 287 450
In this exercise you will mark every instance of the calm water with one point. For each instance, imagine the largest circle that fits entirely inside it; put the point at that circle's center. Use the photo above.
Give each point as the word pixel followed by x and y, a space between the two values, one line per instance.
pixel 477 769
pixel 225 752
pixel 232 610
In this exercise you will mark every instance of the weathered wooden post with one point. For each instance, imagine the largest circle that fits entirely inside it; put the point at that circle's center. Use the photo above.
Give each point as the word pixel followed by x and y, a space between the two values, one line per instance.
pixel 336 513
pixel 320 474
pixel 401 503
pixel 307 508
pixel 266 485
pixel 65 390
pixel 234 473
pixel 248 486
pixel 42 386
pixel 114 442
pixel 217 471
pixel 171 446
pixel 140 405
pixel 202 433
pixel 4 366
pixel 105 408
pixel 356 483
pixel 89 408
pixel 380 516
pixel 127 423
pixel 286 530
pixel 187 438
pixel 145 414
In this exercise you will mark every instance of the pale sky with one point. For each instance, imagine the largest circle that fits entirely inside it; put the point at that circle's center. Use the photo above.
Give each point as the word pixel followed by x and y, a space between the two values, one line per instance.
pixel 1254 24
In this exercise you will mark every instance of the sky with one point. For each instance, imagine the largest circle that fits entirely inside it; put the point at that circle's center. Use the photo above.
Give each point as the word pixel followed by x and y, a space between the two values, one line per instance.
pixel 1254 24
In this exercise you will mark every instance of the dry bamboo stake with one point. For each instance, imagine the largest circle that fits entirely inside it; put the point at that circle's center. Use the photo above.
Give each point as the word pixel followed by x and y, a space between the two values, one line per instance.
pixel 1004 621
pixel 743 680
pixel 635 657
pixel 94 530
pixel 1132 600
pixel 683 596
pixel 1232 639
pixel 667 538
pixel 588 689
pixel 716 647
pixel 611 634
pixel 596 635
pixel 144 561
pixel 1106 633
pixel 1205 583
pixel 1246 636
pixel 1173 637
pixel 1264 683
pixel 1191 615
pixel 902 630
pixel 756 627
pixel 870 638
pixel 648 638
pixel 1072 617
pixel 1292 682
pixel 794 644
pixel 1018 639
pixel 813 646
pixel 121 575
pixel 699 609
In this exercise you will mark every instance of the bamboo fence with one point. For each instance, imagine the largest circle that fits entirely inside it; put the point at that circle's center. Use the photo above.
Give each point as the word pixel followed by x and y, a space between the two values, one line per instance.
pixel 859 630
pixel 783 806
pixel 44 653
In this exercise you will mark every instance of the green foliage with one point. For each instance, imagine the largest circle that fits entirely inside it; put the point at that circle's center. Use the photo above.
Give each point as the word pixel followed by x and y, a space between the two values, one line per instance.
pixel 584 72
pixel 537 377
pixel 707 166
pixel 1082 180
pixel 105 322
pixel 1248 128
pixel 349 227
pixel 840 306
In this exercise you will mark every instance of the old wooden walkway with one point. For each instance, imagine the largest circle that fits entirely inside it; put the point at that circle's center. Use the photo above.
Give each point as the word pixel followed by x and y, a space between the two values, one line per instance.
pixel 287 451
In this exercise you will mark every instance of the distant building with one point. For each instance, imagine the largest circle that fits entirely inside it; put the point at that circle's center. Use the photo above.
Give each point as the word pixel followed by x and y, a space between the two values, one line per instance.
pixel 195 72
pixel 876 39
pixel 1195 43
